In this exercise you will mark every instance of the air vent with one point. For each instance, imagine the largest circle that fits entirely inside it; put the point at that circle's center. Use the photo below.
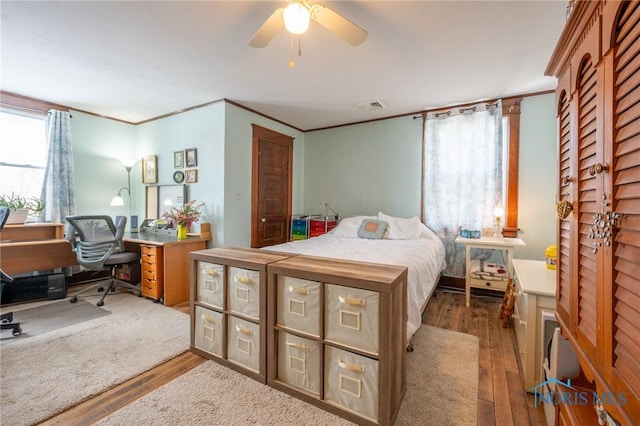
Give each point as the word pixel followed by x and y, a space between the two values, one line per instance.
pixel 371 105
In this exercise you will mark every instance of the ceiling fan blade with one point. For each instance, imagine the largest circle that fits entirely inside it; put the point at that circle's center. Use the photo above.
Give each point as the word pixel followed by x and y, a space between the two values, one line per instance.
pixel 339 25
pixel 269 29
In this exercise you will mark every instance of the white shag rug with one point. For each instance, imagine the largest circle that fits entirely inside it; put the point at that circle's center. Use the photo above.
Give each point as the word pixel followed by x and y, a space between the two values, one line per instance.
pixel 46 374
pixel 442 389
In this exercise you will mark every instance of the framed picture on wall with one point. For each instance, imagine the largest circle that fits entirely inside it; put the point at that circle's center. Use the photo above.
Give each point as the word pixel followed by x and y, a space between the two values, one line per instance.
pixel 178 159
pixel 191 176
pixel 150 169
pixel 191 155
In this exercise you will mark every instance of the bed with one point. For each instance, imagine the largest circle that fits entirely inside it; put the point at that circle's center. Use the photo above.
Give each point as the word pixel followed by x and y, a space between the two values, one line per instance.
pixel 404 242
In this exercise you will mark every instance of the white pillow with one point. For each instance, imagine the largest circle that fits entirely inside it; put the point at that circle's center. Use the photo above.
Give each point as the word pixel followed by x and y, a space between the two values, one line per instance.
pixel 400 228
pixel 348 227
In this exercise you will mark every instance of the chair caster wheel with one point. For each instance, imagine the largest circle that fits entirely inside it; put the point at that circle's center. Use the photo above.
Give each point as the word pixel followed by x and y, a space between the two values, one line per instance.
pixel 100 289
pixel 410 347
pixel 17 331
pixel 100 303
pixel 73 299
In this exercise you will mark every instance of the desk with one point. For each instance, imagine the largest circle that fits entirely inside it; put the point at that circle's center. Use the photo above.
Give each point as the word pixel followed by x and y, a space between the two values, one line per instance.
pixel 41 246
pixel 493 243
pixel 165 264
pixel 34 247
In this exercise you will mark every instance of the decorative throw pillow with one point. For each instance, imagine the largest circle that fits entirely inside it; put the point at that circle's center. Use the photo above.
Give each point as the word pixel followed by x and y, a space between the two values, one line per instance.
pixel 348 226
pixel 372 229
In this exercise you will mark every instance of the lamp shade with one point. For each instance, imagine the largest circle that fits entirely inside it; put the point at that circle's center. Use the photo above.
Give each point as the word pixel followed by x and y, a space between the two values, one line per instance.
pixel 498 211
pixel 296 18
pixel 117 201
pixel 128 162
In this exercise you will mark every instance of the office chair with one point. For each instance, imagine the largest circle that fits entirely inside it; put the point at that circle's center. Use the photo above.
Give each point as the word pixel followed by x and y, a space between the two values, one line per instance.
pixel 6 319
pixel 98 245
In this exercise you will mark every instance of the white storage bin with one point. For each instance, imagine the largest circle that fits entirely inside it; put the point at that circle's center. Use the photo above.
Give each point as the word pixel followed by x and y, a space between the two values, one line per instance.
pixel 351 381
pixel 299 362
pixel 352 317
pixel 209 329
pixel 211 284
pixel 243 343
pixel 244 292
pixel 298 305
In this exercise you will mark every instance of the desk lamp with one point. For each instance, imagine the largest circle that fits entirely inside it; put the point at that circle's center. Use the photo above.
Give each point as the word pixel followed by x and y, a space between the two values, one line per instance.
pixel 119 201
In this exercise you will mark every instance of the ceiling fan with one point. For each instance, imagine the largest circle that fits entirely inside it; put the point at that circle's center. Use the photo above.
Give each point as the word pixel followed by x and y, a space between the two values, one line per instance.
pixel 295 18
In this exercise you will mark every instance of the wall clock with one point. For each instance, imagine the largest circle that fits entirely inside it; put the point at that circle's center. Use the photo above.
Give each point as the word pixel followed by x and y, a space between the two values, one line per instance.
pixel 178 177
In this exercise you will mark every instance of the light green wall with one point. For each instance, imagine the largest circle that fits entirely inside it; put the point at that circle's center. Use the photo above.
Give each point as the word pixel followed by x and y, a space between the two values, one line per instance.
pixel 537 176
pixel 238 158
pixel 200 128
pixel 222 135
pixel 365 168
pixel 98 144
pixel 358 169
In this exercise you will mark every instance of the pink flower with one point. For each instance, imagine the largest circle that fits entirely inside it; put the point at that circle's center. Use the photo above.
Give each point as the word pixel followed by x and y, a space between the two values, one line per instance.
pixel 188 214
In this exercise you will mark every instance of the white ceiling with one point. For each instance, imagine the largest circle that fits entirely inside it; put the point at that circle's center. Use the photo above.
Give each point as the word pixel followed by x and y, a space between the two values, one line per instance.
pixel 137 60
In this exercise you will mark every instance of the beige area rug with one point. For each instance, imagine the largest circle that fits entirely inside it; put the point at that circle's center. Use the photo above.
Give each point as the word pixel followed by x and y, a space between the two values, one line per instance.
pixel 48 373
pixel 442 389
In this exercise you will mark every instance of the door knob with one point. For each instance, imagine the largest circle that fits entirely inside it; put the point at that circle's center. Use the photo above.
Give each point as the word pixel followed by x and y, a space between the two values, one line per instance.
pixel 263 220
pixel 597 169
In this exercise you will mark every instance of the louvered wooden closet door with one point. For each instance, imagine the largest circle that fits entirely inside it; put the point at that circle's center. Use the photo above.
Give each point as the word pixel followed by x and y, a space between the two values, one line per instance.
pixel 563 295
pixel 588 206
pixel 626 202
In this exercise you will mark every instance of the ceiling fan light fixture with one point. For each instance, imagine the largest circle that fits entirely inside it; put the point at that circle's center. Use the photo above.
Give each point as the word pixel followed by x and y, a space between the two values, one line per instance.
pixel 296 18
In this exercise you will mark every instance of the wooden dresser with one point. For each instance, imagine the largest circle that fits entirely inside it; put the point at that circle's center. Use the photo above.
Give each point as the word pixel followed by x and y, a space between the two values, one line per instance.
pixel 598 105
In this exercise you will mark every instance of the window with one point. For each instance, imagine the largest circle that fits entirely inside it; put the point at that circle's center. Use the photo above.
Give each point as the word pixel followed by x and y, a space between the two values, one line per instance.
pixel 23 149
pixel 464 174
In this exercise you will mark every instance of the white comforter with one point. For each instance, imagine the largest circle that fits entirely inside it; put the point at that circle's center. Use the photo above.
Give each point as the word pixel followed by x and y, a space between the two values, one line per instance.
pixel 424 258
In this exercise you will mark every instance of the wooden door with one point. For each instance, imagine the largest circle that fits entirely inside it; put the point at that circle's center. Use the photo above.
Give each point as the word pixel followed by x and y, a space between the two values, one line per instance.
pixel 588 205
pixel 623 271
pixel 565 225
pixel 271 187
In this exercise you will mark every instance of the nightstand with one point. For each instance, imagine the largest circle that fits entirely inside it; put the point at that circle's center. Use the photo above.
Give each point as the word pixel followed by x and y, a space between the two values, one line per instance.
pixel 505 245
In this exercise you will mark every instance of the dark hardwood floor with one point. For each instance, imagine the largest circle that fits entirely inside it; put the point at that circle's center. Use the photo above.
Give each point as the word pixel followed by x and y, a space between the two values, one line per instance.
pixel 501 397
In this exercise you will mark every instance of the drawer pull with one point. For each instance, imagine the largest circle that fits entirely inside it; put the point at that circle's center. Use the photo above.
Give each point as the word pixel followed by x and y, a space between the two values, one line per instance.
pixel 351 367
pixel 297 346
pixel 243 330
pixel 522 322
pixel 243 280
pixel 208 318
pixel 351 301
pixel 212 272
pixel 298 290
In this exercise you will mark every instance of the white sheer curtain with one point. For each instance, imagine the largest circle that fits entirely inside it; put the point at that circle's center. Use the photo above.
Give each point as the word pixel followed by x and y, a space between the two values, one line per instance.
pixel 58 189
pixel 463 174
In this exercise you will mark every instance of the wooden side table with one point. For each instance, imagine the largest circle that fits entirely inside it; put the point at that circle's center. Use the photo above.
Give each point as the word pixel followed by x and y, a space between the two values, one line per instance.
pixel 505 245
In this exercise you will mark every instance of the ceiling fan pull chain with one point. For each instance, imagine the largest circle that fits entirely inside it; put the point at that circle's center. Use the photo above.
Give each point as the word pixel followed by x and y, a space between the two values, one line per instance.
pixel 292 64
pixel 299 45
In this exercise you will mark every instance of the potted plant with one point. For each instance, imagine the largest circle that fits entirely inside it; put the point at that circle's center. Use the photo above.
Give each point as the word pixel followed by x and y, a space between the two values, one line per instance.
pixel 183 217
pixel 21 207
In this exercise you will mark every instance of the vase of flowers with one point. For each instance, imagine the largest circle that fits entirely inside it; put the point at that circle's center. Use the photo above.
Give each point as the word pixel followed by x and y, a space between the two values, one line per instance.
pixel 182 218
